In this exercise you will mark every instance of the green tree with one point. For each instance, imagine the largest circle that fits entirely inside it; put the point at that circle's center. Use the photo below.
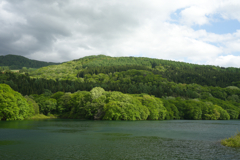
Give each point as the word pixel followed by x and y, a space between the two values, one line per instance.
pixel 155 107
pixel 97 92
pixel 32 103
pixel 13 106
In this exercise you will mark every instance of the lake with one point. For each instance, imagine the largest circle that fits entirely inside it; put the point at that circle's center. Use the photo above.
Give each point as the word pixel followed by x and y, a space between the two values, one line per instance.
pixel 101 140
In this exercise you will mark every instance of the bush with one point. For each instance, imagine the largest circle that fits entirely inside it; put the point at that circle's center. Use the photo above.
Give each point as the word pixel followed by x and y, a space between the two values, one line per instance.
pixel 13 106
pixel 234 141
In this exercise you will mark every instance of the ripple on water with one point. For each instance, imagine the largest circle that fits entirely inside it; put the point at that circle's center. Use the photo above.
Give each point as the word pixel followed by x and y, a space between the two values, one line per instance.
pixel 119 140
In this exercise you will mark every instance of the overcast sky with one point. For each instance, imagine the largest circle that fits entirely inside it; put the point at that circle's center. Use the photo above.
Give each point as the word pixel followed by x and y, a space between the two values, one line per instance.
pixel 195 31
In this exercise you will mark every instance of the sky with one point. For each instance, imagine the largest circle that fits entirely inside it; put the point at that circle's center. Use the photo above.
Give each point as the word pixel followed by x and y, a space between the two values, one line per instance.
pixel 201 32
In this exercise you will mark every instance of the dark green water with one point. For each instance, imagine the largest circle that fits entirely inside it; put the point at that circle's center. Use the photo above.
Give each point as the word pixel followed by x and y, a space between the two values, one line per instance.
pixel 75 139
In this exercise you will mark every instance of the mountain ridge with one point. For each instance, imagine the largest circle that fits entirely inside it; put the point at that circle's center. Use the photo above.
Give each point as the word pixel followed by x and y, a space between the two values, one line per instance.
pixel 17 62
pixel 178 72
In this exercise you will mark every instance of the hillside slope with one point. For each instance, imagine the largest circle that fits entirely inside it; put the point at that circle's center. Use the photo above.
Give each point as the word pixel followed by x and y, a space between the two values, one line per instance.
pixel 187 91
pixel 17 62
pixel 178 72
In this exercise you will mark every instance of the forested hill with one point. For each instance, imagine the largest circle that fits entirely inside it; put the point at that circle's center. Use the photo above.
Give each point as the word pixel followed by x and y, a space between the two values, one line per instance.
pixel 17 62
pixel 178 72
pixel 122 88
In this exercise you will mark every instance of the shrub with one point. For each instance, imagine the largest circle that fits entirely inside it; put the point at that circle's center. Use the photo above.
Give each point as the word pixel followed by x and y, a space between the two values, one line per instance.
pixel 234 141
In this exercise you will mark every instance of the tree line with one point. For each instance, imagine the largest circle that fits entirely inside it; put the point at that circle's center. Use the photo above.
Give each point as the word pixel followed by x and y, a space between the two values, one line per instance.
pixel 227 98
pixel 201 89
pixel 99 104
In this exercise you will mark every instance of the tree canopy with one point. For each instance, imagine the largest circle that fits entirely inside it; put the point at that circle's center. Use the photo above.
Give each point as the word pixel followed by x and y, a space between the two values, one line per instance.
pixel 130 88
pixel 13 106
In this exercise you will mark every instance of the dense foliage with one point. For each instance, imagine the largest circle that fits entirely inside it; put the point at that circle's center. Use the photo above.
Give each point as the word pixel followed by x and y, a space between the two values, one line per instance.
pixel 233 141
pixel 18 62
pixel 13 106
pixel 100 87
pixel 107 105
pixel 178 72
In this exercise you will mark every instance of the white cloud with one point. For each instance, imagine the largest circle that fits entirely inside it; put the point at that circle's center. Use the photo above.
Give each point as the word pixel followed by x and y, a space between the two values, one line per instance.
pixel 69 29
pixel 194 15
pixel 229 9
pixel 226 61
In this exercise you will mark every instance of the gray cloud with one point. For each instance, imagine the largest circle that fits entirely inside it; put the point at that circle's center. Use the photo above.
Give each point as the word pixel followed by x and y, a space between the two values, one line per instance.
pixel 36 31
pixel 39 24
pixel 63 30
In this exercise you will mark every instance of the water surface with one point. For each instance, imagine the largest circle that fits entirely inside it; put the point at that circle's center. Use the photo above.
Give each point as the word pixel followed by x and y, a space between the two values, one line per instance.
pixel 77 139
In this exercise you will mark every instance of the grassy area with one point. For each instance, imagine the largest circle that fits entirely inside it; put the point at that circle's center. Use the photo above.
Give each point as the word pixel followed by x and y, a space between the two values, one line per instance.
pixel 234 141
pixel 41 116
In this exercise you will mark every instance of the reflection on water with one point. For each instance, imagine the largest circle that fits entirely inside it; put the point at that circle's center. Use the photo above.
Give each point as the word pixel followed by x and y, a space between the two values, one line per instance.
pixel 76 139
pixel 5 142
